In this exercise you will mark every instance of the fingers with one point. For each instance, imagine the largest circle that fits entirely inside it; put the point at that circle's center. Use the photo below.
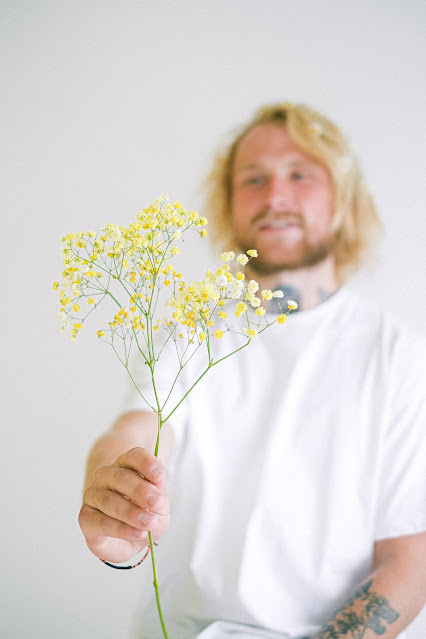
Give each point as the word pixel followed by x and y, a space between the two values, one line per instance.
pixel 116 506
pixel 125 501
pixel 97 527
pixel 128 483
pixel 141 461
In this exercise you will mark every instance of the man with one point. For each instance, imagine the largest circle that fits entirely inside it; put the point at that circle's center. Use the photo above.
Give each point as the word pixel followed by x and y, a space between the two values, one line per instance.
pixel 296 474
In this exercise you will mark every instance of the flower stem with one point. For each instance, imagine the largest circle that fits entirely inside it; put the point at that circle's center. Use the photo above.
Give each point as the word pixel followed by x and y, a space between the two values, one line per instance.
pixel 151 543
pixel 157 592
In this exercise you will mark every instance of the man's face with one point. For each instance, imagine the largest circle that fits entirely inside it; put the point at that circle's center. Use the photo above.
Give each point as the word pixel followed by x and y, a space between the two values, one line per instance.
pixel 282 202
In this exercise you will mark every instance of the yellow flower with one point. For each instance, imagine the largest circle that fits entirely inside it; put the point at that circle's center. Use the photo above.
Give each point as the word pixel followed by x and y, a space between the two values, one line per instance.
pixel 242 259
pixel 75 308
pixel 281 318
pixel 240 308
pixel 254 301
pixel 240 276
pixel 210 323
pixel 252 286
pixel 251 332
pixel 228 256
pixel 100 333
pixel 218 334
pixel 292 305
pixel 260 311
pixel 78 326
pixel 55 285
pixel 222 315
pixel 252 252
pixel 267 294
pixel 202 336
pixel 174 250
pixel 91 300
pixel 203 233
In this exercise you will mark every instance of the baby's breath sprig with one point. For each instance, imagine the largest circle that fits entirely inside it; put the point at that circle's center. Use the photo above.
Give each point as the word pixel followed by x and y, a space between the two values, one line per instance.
pixel 132 267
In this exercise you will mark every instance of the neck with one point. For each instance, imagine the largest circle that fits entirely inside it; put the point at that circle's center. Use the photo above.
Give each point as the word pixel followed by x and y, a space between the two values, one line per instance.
pixel 308 286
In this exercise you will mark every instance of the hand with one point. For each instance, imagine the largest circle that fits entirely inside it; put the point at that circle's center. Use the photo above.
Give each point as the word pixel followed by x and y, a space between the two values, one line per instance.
pixel 125 501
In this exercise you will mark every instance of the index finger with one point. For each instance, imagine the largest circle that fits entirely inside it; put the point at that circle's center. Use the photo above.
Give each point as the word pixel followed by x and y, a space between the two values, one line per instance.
pixel 140 460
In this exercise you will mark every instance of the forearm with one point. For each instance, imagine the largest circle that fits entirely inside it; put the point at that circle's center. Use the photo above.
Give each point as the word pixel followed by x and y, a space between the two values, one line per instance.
pixel 383 606
pixel 138 428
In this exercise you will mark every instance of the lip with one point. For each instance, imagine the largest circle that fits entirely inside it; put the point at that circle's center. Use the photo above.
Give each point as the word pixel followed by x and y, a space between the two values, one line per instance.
pixel 278 226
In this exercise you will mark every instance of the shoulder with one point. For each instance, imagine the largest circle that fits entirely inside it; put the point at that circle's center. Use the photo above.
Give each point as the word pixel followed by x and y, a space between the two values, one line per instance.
pixel 379 326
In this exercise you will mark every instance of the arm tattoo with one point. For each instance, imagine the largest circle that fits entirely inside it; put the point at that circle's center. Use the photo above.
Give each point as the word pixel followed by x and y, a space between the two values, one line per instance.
pixel 360 612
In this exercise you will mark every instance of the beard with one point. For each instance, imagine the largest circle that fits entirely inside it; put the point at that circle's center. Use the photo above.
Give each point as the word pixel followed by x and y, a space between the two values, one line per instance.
pixel 303 253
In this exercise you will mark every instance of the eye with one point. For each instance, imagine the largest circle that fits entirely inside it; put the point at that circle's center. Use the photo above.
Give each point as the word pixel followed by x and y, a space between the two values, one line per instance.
pixel 298 175
pixel 255 180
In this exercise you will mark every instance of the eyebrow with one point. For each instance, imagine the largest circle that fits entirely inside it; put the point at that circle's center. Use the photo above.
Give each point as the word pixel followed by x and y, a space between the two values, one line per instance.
pixel 292 163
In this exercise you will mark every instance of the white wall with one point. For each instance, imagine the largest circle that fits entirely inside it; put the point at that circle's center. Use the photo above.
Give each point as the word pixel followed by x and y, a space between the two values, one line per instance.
pixel 104 105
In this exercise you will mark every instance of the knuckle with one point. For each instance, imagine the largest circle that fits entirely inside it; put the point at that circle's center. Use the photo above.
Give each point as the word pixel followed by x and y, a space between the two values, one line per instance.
pixel 134 454
pixel 83 516
pixel 99 474
pixel 88 495
pixel 121 475
pixel 108 501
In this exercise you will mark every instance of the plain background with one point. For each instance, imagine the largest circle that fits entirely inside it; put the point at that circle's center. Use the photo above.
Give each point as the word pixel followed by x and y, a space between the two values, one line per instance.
pixel 105 105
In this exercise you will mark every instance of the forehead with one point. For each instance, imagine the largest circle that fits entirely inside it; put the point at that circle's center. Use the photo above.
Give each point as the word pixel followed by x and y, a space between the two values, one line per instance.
pixel 268 143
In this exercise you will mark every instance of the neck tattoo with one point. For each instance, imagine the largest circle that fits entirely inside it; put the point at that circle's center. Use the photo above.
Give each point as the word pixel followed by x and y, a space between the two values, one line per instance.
pixel 277 306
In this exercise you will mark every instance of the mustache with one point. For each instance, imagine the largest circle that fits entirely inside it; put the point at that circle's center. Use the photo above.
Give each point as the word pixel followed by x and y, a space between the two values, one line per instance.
pixel 268 215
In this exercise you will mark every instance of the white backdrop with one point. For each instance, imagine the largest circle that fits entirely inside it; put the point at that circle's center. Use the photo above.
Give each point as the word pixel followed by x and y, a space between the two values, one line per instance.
pixel 104 105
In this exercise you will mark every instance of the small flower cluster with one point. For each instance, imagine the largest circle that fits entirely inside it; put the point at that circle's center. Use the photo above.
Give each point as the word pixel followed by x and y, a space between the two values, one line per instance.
pixel 136 261
pixel 204 309
pixel 137 257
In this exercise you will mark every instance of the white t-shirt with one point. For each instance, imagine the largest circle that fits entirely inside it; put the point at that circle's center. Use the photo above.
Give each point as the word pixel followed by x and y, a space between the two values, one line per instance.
pixel 292 457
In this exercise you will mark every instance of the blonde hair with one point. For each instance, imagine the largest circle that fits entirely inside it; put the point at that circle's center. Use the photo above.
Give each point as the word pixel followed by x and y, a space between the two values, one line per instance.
pixel 355 218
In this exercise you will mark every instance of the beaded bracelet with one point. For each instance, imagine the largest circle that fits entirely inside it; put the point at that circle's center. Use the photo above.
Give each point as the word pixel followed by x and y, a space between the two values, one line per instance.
pixel 107 563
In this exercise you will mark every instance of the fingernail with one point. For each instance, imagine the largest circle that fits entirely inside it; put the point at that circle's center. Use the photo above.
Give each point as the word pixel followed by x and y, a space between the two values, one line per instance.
pixel 140 534
pixel 158 471
pixel 155 499
pixel 145 518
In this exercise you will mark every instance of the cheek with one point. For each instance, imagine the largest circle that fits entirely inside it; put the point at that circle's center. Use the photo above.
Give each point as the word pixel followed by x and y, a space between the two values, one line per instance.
pixel 246 201
pixel 243 205
pixel 320 206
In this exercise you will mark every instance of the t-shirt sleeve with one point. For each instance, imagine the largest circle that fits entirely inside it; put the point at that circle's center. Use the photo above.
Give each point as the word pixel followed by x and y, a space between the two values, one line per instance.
pixel 402 486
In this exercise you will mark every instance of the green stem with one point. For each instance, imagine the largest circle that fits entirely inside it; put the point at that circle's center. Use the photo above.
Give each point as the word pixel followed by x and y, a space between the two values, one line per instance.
pixel 211 364
pixel 151 543
pixel 157 592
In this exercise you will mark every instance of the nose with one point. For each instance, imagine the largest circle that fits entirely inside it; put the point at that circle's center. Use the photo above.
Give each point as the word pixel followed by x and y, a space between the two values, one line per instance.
pixel 279 194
